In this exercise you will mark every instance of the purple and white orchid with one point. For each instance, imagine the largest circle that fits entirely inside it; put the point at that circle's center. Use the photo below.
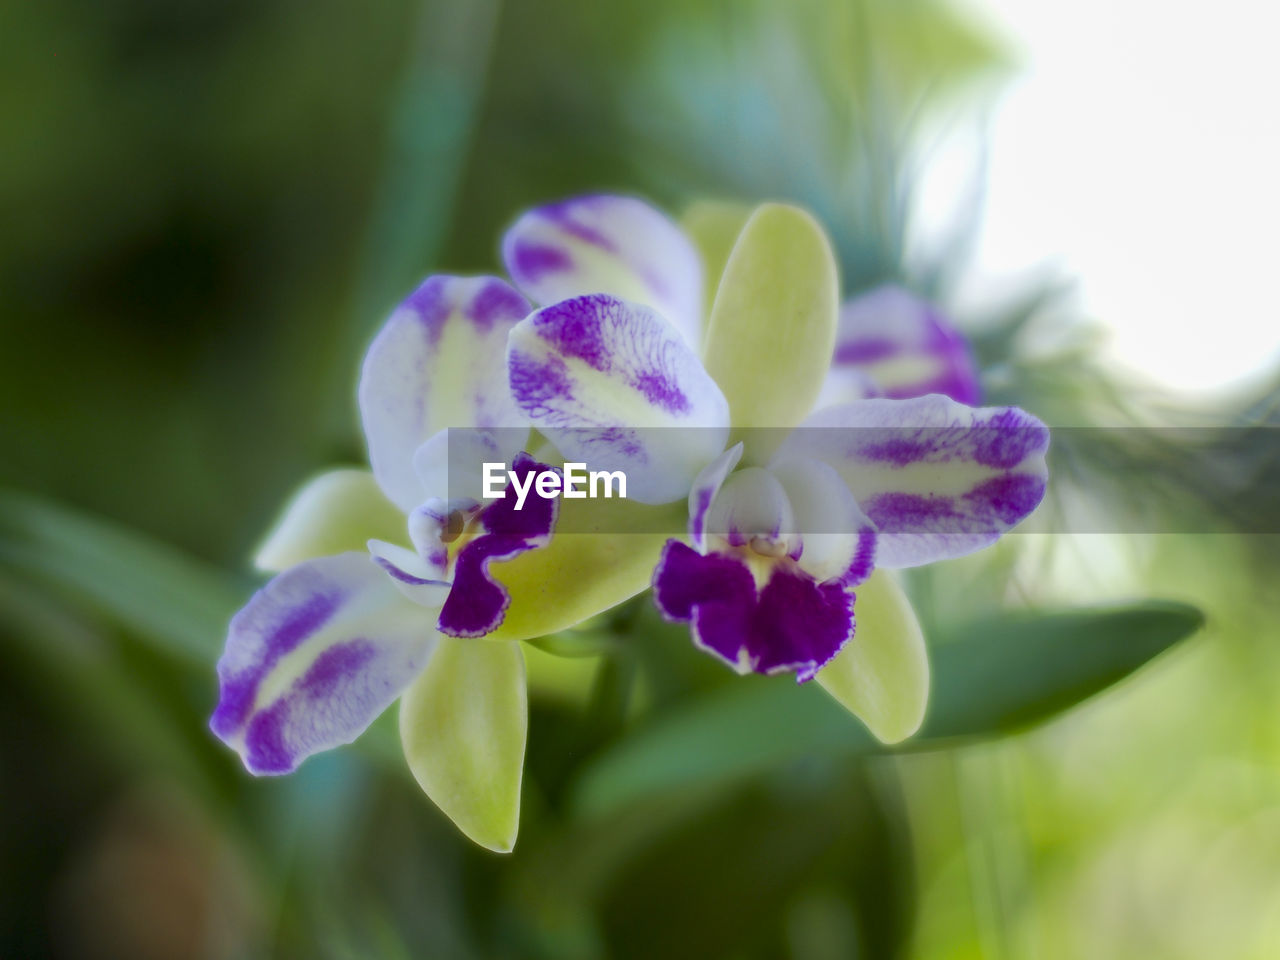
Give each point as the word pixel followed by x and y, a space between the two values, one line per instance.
pixel 791 515
pixel 893 343
pixel 777 545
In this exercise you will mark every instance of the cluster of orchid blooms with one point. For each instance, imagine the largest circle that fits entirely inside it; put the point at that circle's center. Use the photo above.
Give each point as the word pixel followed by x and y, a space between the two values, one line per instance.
pixel 804 448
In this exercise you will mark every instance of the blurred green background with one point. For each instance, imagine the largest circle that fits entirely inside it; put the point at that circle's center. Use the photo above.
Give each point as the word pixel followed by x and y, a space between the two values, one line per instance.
pixel 207 210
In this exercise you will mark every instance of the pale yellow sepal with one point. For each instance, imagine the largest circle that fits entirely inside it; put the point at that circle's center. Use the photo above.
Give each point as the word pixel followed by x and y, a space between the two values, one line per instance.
pixel 882 674
pixel 463 725
pixel 331 513
pixel 603 552
pixel 773 325
pixel 713 226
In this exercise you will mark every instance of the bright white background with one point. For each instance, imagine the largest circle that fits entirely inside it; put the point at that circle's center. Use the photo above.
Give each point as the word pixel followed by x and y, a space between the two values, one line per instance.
pixel 1139 151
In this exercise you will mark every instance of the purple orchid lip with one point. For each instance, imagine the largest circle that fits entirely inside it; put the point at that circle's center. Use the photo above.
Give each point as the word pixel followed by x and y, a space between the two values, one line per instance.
pixel 477 603
pixel 791 623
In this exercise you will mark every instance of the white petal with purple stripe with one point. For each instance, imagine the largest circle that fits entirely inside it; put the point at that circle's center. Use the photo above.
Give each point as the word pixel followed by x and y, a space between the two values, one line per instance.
pixel 892 343
pixel 937 478
pixel 437 363
pixel 313 658
pixel 607 244
pixel 612 384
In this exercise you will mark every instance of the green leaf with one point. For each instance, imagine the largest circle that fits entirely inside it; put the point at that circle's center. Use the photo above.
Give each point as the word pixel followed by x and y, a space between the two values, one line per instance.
pixel 992 677
pixel 176 602
pixel 998 676
pixel 882 675
pixel 773 325
pixel 86 683
pixel 333 512
pixel 463 724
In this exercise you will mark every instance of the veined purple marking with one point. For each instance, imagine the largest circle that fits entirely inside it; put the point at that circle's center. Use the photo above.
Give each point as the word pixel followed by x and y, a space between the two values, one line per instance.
pixel 266 751
pixel 1007 498
pixel 339 662
pixel 430 302
pixel 698 518
pixel 661 391
pixel 1008 438
pixel 869 350
pixel 536 383
pixel 864 558
pixel 532 261
pixel 915 513
pixel 901 449
pixel 496 301
pixel 921 331
pixel 239 690
pixel 561 213
pixel 575 328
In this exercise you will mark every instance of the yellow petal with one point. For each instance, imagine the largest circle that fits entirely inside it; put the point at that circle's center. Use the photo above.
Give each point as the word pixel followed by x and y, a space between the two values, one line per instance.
pixel 773 325
pixel 882 674
pixel 463 725
pixel 333 512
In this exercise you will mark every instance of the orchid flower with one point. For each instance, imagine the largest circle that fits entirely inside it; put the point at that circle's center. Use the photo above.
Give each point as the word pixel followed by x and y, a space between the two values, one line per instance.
pixel 802 507
pixel 892 343
pixel 386 580
pixel 320 651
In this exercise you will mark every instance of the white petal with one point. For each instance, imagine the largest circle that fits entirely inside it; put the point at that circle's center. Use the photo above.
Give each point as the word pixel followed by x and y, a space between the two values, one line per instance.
pixel 613 385
pixel 837 539
pixel 607 244
pixel 705 487
pixel 752 507
pixel 438 362
pixel 937 478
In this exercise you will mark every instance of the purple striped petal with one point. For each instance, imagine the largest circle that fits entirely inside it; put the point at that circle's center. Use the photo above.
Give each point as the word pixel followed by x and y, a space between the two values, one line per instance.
pixel 793 623
pixel 478 602
pixel 607 244
pixel 313 658
pixel 597 374
pixel 897 345
pixel 837 540
pixel 937 478
pixel 438 362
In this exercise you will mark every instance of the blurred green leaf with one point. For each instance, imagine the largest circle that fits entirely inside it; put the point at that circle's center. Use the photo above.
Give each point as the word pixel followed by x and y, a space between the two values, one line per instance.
pixel 1002 675
pixel 170 599
pixel 87 685
pixel 990 677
